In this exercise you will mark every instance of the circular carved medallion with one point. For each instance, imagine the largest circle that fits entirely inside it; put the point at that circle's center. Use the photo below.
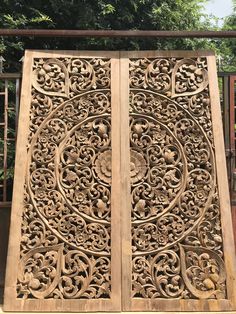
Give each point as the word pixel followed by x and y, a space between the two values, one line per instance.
pixel 102 166
pixel 138 166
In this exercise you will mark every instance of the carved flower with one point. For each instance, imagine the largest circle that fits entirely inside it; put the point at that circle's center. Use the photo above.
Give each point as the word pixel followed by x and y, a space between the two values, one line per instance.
pixel 161 198
pixel 103 166
pixel 160 136
pixel 138 166
pixel 101 208
pixel 201 194
pixel 79 196
pixel 44 136
pixel 139 265
pixel 169 156
pixel 140 208
pixel 161 238
pixel 204 272
pixel 71 176
pixel 177 226
pixel 40 193
pixel 81 238
pixel 72 157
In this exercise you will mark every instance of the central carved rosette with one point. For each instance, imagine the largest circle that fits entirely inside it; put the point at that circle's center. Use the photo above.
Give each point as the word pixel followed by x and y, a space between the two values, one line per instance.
pixel 103 166
pixel 138 166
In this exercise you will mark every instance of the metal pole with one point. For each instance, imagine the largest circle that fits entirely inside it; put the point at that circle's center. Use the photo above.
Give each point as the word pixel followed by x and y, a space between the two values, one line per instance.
pixel 115 33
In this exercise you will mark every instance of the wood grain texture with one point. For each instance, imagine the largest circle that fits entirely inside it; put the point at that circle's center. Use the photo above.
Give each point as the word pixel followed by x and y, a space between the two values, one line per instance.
pixel 120 195
pixel 125 179
pixel 180 211
pixel 66 189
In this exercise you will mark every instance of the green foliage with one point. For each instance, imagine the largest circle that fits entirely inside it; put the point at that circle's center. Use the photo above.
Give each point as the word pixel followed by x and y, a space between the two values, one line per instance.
pixel 11 114
pixel 19 14
pixel 228 46
pixel 100 14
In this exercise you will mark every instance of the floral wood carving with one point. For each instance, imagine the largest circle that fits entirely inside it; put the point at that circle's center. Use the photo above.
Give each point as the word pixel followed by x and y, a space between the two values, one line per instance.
pixel 66 232
pixel 176 229
pixel 70 237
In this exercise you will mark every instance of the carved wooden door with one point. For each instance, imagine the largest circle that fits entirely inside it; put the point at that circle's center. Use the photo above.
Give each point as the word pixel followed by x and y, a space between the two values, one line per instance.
pixel 120 194
pixel 178 252
pixel 68 233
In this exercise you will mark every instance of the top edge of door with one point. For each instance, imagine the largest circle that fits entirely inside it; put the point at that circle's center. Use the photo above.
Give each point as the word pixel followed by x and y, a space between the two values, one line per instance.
pixel 121 54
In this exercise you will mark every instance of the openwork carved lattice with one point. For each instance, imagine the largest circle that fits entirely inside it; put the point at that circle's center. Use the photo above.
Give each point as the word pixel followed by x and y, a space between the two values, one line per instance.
pixel 176 229
pixel 65 246
pixel 120 194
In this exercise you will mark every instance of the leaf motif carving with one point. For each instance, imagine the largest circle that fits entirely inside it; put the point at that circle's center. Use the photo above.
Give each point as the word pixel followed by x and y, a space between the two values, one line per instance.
pixel 51 78
pixel 39 271
pixel 188 79
pixel 203 272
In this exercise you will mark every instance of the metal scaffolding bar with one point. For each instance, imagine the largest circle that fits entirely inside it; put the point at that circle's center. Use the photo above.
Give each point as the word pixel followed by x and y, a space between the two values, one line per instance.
pixel 115 33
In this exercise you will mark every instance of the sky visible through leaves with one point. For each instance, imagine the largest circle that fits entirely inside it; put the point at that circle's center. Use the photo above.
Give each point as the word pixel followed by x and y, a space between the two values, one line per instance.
pixel 219 8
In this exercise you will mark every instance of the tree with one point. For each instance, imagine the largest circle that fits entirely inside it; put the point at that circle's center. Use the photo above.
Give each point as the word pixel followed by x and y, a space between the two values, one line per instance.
pixel 228 46
pixel 100 14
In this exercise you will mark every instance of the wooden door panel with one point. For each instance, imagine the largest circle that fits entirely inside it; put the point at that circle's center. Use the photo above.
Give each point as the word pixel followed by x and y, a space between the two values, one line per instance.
pixel 180 245
pixel 64 231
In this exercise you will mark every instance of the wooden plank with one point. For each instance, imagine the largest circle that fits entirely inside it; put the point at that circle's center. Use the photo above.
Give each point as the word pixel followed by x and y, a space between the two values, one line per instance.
pixel 225 92
pixel 116 187
pixel 170 312
pixel 10 76
pixel 125 185
pixel 86 269
pixel 233 211
pixel 232 80
pixel 226 124
pixel 226 220
pixel 10 297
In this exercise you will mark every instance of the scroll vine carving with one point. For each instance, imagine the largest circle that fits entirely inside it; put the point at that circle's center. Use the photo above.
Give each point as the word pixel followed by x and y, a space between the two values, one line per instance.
pixel 66 232
pixel 176 229
pixel 177 245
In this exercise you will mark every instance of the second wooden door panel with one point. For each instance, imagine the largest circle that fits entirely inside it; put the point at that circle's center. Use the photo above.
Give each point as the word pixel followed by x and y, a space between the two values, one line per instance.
pixel 175 257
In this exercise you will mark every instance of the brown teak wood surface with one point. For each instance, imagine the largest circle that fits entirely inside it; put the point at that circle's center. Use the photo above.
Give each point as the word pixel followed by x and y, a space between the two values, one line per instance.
pixel 11 302
pixel 172 243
